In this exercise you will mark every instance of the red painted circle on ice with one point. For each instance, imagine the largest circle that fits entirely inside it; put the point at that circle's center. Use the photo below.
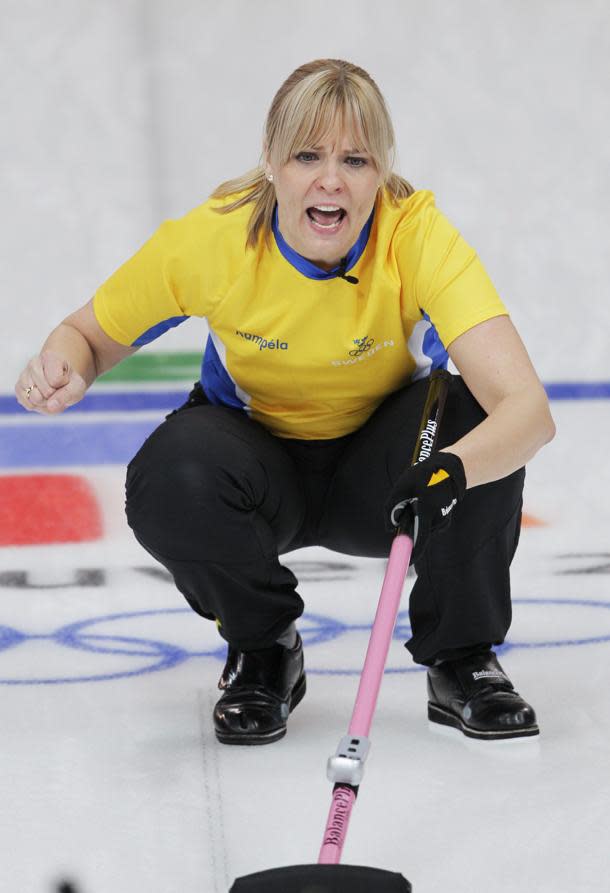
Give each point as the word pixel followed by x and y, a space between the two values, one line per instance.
pixel 47 508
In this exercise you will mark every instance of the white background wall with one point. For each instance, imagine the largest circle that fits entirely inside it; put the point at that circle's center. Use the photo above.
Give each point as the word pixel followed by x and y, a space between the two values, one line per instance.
pixel 119 113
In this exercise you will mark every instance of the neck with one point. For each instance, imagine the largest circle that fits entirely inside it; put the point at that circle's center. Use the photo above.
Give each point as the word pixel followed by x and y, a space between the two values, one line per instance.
pixel 325 265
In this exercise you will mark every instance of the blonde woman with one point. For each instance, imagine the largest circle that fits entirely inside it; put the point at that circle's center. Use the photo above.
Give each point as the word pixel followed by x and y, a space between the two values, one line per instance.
pixel 331 289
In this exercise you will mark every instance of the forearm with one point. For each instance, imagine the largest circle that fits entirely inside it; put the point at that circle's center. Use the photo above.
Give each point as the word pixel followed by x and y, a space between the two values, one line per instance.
pixel 72 345
pixel 507 439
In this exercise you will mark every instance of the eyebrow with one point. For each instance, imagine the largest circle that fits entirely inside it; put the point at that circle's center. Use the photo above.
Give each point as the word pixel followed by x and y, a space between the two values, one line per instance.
pixel 346 151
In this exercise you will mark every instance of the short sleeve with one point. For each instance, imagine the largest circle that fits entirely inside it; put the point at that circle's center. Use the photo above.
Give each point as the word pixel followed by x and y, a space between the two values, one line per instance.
pixel 146 295
pixel 448 281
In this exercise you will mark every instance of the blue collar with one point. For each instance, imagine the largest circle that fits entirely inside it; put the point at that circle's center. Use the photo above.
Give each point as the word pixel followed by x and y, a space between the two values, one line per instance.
pixel 306 266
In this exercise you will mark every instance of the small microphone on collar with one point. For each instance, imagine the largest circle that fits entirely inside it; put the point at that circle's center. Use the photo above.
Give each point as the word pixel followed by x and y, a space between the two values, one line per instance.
pixel 341 272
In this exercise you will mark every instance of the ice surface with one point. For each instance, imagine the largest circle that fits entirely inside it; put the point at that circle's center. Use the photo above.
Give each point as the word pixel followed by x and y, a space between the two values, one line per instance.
pixel 112 775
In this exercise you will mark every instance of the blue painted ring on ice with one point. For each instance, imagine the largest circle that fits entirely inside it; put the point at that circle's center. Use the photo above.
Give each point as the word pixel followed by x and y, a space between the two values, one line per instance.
pixel 316 629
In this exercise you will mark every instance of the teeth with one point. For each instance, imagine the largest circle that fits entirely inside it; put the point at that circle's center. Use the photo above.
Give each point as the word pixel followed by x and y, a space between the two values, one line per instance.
pixel 332 225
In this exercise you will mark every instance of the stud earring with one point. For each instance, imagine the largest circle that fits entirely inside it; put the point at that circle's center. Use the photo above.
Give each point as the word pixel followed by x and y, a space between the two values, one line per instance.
pixel 270 177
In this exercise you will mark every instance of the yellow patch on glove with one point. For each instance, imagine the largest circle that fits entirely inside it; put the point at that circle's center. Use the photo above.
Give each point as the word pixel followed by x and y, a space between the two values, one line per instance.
pixel 437 477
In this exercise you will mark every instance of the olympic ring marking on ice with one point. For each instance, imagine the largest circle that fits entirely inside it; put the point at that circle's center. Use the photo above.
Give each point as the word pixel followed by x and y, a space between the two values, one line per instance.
pixel 316 629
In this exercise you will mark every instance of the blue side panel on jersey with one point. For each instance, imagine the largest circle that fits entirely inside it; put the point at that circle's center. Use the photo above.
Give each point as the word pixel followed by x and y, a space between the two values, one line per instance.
pixel 216 381
pixel 159 329
pixel 433 347
pixel 49 446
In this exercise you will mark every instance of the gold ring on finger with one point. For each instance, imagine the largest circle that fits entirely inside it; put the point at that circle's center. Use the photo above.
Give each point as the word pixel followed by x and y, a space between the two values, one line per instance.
pixel 29 390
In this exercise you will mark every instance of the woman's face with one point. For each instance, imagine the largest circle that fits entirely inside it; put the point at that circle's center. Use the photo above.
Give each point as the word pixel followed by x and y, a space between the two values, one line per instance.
pixel 325 195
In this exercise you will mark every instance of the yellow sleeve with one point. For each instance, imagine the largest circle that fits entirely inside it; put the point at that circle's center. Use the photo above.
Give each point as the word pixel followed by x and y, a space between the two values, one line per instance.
pixel 449 283
pixel 144 291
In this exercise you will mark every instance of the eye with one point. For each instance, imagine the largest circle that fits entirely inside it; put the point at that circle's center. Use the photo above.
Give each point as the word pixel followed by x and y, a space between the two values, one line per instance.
pixel 356 162
pixel 306 156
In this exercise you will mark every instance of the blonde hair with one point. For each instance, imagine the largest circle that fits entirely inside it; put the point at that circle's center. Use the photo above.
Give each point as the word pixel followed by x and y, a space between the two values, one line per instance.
pixel 308 106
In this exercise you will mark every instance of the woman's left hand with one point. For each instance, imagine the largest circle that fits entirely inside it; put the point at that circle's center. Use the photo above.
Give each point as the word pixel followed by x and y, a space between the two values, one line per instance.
pixel 428 491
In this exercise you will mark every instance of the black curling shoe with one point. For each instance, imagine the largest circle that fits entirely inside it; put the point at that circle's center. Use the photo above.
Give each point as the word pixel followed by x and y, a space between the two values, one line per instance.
pixel 475 695
pixel 261 689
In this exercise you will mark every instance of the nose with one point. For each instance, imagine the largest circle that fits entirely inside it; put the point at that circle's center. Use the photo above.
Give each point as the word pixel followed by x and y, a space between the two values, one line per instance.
pixel 329 175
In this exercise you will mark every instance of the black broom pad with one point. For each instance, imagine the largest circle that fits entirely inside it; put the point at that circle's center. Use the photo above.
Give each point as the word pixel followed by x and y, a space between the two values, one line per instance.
pixel 322 879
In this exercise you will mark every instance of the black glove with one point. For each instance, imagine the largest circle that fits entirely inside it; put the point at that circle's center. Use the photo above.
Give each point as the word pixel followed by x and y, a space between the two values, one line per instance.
pixel 428 491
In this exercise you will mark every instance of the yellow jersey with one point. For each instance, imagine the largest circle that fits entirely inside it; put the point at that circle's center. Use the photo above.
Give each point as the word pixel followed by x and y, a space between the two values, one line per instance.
pixel 306 352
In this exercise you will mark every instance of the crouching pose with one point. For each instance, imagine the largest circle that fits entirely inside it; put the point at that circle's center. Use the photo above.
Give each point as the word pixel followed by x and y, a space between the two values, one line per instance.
pixel 331 289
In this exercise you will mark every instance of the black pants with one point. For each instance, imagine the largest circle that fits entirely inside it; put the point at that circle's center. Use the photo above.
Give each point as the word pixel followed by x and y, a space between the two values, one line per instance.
pixel 216 498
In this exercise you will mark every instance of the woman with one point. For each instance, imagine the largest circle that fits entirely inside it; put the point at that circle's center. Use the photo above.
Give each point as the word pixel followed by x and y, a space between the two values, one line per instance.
pixel 331 289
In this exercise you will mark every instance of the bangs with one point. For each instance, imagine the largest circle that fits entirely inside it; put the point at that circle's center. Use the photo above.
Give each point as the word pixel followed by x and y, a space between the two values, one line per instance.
pixel 330 122
pixel 328 115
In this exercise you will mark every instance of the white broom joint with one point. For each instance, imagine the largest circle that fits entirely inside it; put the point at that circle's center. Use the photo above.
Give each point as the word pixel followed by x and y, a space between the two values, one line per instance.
pixel 346 766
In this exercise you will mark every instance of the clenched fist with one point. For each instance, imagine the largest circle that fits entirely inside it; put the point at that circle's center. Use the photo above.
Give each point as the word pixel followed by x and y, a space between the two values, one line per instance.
pixel 428 492
pixel 49 384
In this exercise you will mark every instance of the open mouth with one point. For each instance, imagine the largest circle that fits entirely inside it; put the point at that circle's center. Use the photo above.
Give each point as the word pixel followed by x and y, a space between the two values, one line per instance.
pixel 326 218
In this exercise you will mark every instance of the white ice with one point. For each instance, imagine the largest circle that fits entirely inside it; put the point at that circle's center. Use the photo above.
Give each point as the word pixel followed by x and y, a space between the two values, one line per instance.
pixel 120 784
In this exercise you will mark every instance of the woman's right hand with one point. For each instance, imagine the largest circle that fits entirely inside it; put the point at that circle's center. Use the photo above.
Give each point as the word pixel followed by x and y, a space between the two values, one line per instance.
pixel 49 384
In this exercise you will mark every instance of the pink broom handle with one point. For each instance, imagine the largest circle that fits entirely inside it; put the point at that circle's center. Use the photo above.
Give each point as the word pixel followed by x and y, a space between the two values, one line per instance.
pixel 344 797
pixel 381 635
pixel 344 794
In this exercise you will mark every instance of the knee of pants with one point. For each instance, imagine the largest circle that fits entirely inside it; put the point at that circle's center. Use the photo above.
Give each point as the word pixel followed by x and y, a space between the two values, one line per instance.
pixel 198 503
pixel 484 529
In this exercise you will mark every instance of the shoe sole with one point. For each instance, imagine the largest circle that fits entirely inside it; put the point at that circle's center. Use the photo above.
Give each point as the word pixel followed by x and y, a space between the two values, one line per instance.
pixel 446 718
pixel 252 740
